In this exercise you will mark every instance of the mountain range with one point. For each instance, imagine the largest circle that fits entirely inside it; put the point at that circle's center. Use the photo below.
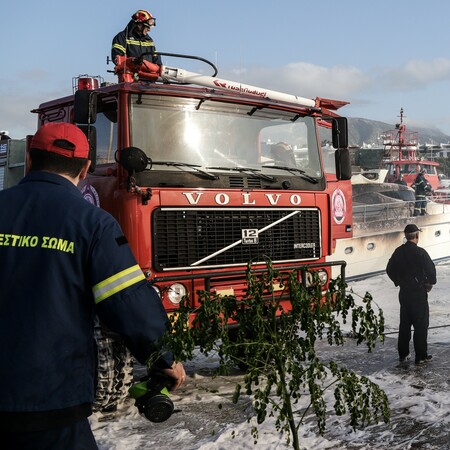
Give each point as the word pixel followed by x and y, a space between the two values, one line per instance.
pixel 368 132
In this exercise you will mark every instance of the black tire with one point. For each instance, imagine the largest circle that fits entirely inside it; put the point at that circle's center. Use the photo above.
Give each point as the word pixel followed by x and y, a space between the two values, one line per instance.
pixel 240 361
pixel 114 371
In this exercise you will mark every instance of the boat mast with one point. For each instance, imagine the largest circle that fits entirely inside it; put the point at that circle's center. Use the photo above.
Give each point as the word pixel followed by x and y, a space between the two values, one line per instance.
pixel 400 145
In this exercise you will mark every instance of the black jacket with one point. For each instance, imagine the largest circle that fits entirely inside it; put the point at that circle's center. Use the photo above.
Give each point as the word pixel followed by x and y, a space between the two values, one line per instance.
pixel 421 185
pixel 410 267
pixel 130 43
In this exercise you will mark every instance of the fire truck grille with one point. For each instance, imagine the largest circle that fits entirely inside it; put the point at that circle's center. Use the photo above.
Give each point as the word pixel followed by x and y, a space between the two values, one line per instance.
pixel 196 238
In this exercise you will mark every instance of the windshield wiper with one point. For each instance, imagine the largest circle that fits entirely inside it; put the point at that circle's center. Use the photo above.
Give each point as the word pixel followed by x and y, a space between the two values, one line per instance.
pixel 255 172
pixel 205 174
pixel 299 171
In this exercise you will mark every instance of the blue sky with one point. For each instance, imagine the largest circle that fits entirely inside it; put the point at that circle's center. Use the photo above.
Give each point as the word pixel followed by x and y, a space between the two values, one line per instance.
pixel 379 55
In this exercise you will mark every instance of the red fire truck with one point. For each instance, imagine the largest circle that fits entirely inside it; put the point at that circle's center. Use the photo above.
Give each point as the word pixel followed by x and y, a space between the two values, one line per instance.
pixel 205 175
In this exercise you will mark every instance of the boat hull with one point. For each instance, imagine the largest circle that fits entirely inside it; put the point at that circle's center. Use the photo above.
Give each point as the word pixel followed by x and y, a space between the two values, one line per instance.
pixel 368 251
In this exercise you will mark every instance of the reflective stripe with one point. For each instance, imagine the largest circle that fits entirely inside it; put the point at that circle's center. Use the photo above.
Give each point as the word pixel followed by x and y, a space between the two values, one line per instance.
pixel 140 43
pixel 119 47
pixel 117 283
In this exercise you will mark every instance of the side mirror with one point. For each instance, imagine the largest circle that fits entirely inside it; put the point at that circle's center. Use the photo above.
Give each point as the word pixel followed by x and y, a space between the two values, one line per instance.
pixel 91 134
pixel 85 106
pixel 340 132
pixel 343 164
pixel 133 159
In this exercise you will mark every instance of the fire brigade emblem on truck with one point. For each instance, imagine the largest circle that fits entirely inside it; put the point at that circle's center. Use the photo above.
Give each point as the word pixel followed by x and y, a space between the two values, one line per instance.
pixel 90 194
pixel 339 206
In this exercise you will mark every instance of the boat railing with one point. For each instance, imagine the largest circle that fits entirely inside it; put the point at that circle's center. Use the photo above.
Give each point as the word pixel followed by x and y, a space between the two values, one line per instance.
pixel 441 196
pixel 385 215
pixel 381 212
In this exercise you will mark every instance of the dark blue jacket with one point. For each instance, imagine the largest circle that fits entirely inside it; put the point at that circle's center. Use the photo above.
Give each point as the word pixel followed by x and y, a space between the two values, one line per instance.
pixel 130 43
pixel 63 260
pixel 411 268
pixel 421 186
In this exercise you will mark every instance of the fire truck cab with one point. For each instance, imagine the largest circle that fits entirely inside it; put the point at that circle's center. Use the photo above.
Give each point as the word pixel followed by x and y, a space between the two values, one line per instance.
pixel 206 177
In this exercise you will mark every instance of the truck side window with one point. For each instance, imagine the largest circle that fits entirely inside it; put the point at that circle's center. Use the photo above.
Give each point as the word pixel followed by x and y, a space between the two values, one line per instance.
pixel 106 137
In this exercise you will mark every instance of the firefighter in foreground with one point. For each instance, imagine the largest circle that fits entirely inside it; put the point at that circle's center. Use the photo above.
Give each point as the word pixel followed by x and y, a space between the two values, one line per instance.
pixel 62 261
pixel 134 41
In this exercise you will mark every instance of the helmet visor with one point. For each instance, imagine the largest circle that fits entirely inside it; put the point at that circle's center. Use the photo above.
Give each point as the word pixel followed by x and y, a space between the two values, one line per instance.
pixel 150 23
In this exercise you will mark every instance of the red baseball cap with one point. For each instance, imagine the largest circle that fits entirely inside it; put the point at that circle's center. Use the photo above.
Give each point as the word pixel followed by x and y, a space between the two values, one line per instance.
pixel 62 138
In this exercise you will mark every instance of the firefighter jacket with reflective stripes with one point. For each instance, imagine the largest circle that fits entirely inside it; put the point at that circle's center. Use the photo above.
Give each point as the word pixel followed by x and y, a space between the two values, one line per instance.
pixel 62 261
pixel 130 43
pixel 421 186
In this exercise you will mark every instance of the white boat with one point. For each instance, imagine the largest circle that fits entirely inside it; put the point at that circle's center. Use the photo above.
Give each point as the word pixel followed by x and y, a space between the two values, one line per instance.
pixel 380 231
pixel 380 213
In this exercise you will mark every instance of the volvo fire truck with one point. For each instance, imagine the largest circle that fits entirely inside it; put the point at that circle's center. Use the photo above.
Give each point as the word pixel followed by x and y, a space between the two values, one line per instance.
pixel 205 175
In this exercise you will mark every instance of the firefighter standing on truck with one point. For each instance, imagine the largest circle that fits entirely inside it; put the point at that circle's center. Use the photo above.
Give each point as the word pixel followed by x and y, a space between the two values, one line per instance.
pixel 134 41
pixel 62 262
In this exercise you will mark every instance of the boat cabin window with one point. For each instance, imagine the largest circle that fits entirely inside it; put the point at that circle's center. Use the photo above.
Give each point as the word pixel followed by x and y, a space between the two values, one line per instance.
pixel 411 169
pixel 429 169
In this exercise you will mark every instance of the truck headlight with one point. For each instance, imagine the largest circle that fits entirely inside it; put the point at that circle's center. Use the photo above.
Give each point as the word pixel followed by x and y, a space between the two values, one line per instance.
pixel 176 292
pixel 321 275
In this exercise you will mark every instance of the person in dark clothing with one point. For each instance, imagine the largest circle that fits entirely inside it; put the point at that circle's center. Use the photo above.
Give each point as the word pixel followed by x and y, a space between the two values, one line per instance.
pixel 411 268
pixel 421 188
pixel 4 135
pixel 4 138
pixel 134 41
pixel 64 262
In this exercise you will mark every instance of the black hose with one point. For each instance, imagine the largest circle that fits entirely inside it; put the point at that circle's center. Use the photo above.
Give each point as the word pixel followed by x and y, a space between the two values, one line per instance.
pixel 177 55
pixel 430 328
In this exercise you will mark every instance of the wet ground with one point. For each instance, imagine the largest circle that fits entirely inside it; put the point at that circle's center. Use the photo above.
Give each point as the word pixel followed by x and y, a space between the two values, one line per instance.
pixel 204 409
pixel 424 385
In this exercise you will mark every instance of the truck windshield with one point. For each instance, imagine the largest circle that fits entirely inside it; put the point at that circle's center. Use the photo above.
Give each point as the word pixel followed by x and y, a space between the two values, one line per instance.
pixel 214 134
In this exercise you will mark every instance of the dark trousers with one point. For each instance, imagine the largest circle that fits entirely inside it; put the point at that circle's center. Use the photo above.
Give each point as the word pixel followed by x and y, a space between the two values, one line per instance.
pixel 414 312
pixel 73 437
pixel 420 206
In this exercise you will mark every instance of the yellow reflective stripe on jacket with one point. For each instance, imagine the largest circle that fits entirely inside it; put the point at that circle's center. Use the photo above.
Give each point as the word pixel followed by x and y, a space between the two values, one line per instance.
pixel 117 283
pixel 119 47
pixel 140 43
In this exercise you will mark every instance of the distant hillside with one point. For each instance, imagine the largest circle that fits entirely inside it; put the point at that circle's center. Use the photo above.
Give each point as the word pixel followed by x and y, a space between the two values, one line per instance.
pixel 368 131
